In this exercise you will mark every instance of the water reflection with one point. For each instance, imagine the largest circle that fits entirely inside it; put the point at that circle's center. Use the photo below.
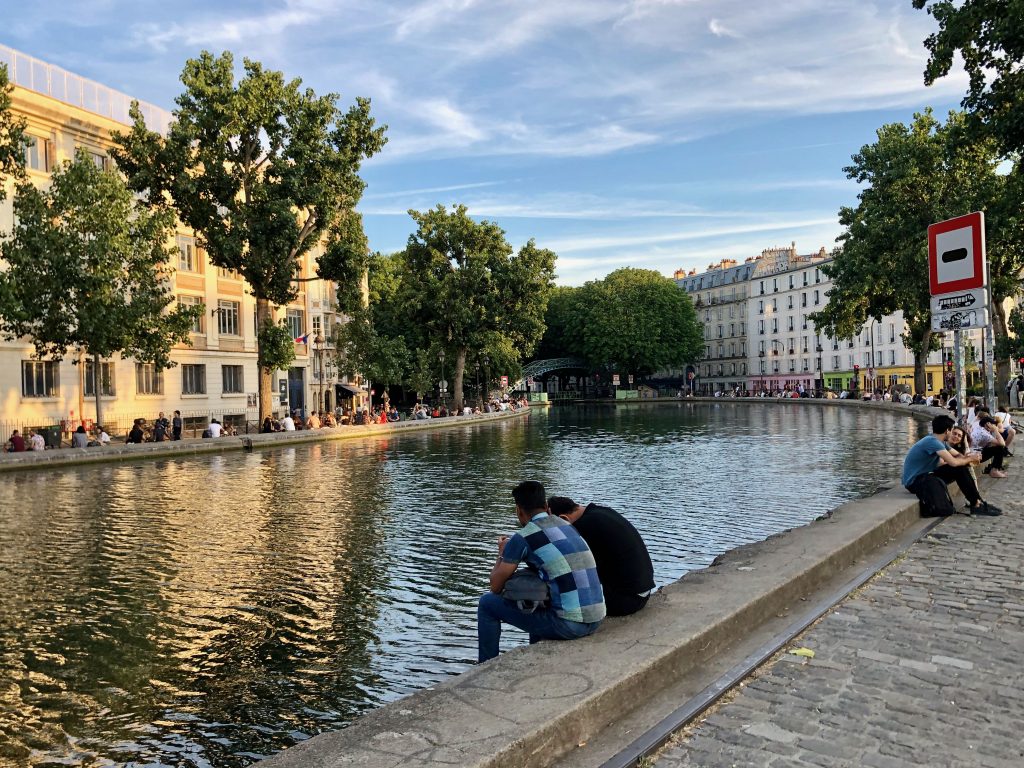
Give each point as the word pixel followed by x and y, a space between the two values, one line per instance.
pixel 210 611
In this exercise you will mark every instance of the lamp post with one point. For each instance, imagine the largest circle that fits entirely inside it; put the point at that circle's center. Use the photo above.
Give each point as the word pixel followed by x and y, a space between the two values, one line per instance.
pixel 479 394
pixel 821 371
pixel 487 376
pixel 442 386
pixel 761 355
pixel 318 346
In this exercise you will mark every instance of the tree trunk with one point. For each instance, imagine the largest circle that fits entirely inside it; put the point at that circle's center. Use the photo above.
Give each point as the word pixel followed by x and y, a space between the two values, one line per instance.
pixel 97 386
pixel 920 361
pixel 266 376
pixel 1002 365
pixel 460 370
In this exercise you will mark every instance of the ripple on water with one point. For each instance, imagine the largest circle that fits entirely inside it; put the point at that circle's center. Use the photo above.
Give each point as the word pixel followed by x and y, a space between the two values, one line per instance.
pixel 206 612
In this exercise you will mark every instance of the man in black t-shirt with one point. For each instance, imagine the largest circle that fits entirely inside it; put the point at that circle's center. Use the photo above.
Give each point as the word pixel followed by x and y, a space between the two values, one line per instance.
pixel 623 563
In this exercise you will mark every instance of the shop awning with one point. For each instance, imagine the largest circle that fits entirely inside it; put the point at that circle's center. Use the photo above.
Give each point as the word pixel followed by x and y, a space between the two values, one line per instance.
pixel 350 390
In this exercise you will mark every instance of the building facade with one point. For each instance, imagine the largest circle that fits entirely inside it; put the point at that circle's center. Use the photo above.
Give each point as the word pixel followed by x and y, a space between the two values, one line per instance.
pixel 783 348
pixel 214 376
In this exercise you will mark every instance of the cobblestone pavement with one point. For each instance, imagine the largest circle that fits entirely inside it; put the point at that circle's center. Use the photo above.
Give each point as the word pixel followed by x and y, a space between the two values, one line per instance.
pixel 922 666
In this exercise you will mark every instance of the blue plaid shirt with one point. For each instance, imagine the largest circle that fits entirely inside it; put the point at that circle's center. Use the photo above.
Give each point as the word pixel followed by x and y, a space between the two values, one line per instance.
pixel 563 559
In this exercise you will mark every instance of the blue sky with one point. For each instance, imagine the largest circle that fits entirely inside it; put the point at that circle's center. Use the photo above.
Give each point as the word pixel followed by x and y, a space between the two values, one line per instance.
pixel 661 134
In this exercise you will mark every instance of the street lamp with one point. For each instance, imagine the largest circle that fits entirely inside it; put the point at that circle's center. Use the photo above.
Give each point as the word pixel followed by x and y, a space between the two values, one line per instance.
pixel 479 394
pixel 487 376
pixel 442 385
pixel 318 346
pixel 821 371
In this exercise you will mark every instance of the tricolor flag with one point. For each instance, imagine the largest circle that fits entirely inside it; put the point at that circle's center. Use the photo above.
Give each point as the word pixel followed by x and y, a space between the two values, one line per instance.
pixel 304 339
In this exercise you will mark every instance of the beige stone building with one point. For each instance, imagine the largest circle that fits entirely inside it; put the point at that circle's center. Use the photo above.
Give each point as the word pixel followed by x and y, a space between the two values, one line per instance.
pixel 216 376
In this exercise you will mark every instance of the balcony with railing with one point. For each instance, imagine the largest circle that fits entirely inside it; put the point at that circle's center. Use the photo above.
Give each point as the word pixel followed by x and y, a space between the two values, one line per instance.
pixel 51 80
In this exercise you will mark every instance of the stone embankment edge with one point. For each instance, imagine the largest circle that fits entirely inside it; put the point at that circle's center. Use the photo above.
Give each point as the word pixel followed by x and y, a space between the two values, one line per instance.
pixel 67 457
pixel 534 704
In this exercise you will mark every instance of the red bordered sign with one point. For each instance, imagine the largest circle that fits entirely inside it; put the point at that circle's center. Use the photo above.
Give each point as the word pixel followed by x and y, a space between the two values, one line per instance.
pixel 956 254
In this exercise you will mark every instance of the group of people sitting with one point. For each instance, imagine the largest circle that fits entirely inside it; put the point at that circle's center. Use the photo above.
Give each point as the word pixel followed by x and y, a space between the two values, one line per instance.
pixel 950 453
pixel 591 560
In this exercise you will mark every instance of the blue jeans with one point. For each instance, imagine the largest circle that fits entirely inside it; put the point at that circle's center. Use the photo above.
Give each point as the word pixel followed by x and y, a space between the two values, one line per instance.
pixel 542 624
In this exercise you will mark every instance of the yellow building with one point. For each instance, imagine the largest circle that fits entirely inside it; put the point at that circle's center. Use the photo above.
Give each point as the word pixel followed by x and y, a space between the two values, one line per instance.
pixel 214 377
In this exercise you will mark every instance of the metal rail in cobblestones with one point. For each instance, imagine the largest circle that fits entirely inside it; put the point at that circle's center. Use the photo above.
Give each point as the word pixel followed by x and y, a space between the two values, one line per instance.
pixel 656 737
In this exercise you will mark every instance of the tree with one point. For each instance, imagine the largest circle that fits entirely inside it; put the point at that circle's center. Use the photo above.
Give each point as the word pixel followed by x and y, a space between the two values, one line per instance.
pixel 635 321
pixel 987 34
pixel 562 324
pixel 12 136
pixel 382 360
pixel 915 175
pixel 264 173
pixel 87 270
pixel 468 292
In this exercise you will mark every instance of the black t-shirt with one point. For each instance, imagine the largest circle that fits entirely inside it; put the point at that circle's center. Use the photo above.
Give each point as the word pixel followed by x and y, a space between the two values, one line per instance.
pixel 623 563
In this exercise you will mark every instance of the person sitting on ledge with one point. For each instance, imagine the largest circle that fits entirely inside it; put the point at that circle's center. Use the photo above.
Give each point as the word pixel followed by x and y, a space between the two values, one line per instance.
pixel 562 559
pixel 985 436
pixel 623 562
pixel 931 459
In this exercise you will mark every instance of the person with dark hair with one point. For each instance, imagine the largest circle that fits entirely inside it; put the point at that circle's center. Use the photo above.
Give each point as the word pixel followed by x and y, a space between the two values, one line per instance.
pixel 623 562
pixel 931 465
pixel 136 434
pixel 563 561
pixel 986 437
pixel 176 424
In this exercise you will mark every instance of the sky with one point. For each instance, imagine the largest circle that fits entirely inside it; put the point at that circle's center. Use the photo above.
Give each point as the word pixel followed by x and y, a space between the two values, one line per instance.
pixel 659 134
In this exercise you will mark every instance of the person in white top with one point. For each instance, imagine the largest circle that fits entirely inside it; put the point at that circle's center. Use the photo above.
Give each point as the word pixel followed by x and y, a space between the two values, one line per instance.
pixel 288 424
pixel 36 441
pixel 214 428
pixel 1005 424
pixel 103 438
pixel 986 438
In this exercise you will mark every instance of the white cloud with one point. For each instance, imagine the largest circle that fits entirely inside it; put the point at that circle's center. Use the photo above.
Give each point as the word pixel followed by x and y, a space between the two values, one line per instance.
pixel 718 29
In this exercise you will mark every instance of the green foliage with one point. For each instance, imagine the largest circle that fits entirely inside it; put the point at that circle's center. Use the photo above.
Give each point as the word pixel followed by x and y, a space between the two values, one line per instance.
pixel 463 288
pixel 634 320
pixel 12 136
pixel 261 169
pixel 361 349
pixel 275 345
pixel 561 336
pixel 87 270
pixel 913 175
pixel 987 35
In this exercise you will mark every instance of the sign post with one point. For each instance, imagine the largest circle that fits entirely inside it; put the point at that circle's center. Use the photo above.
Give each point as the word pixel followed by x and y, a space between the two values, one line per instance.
pixel 958 282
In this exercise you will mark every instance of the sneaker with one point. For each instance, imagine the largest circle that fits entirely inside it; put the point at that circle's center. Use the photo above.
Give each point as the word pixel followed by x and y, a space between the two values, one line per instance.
pixel 986 510
pixel 997 473
pixel 1008 453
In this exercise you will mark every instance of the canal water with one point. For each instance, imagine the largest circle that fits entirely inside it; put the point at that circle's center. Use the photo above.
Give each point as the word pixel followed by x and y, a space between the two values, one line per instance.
pixel 210 611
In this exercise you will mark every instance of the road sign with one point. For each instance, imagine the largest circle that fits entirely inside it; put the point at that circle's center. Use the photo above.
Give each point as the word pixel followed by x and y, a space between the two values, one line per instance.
pixel 504 382
pixel 615 379
pixel 631 378
pixel 959 319
pixel 956 254
pixel 975 298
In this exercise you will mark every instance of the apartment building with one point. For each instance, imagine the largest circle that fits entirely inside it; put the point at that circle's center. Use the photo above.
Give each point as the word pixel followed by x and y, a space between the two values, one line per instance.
pixel 216 375
pixel 783 348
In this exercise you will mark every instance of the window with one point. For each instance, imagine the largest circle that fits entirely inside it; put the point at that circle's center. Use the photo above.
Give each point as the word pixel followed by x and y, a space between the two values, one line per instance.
pixel 100 160
pixel 775 325
pixel 149 380
pixel 232 378
pixel 106 379
pixel 775 284
pixel 193 379
pixel 867 359
pixel 791 301
pixel 817 276
pixel 720 334
pixel 228 274
pixel 721 350
pixel 760 348
pixel 878 358
pixel 791 322
pixel 227 318
pixel 803 299
pixel 194 301
pixel 39 154
pixel 297 322
pixel 835 362
pixel 805 278
pixel 815 298
pixel 928 384
pixel 743 329
pixel 40 378
pixel 760 326
pixel 775 305
pixel 892 357
pixel 188 257
pixel 743 369
pixel 762 287
pixel 792 366
pixel 892 332
pixel 760 307
pixel 790 282
pixel 318 325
